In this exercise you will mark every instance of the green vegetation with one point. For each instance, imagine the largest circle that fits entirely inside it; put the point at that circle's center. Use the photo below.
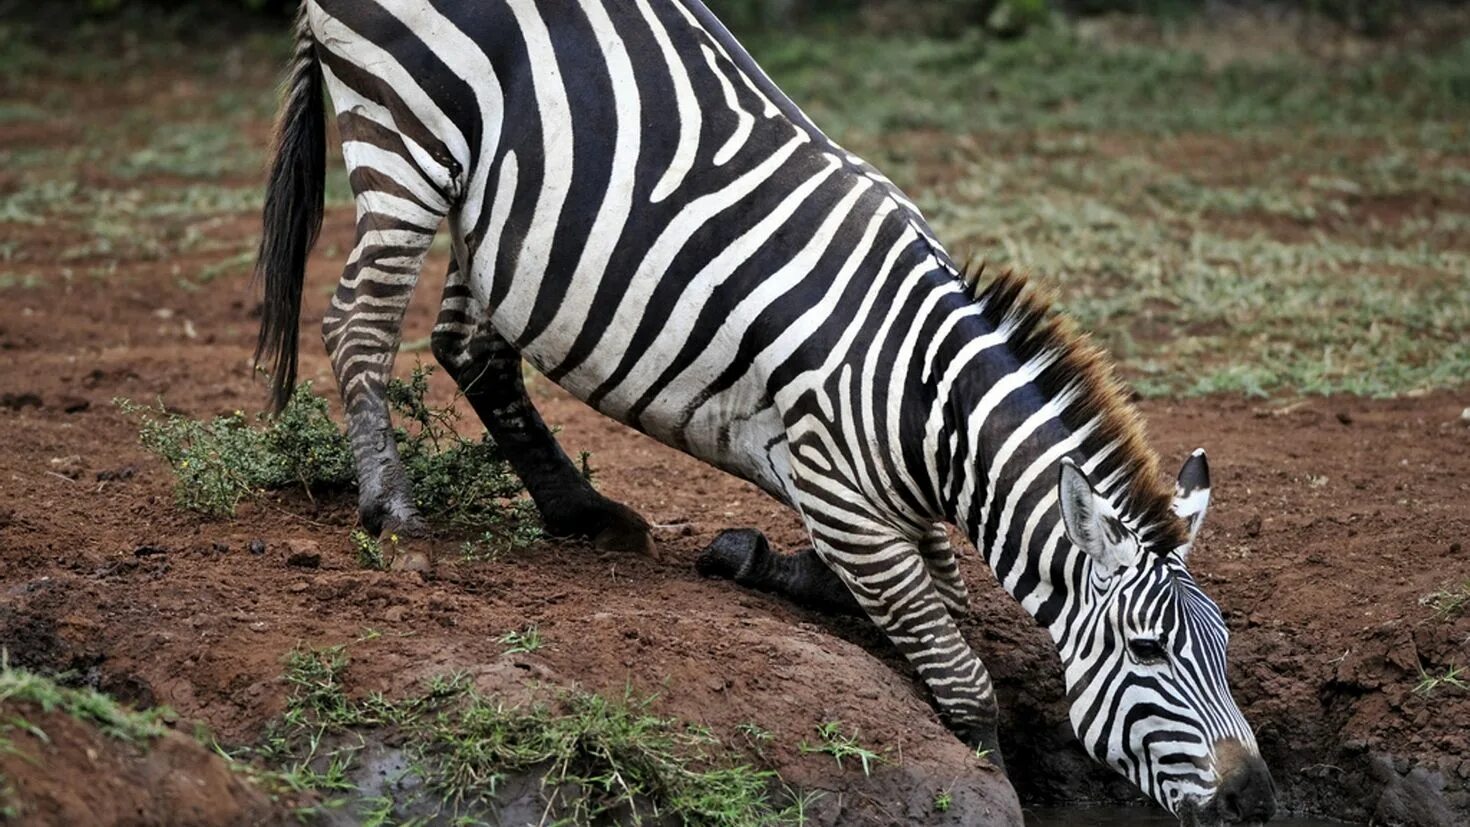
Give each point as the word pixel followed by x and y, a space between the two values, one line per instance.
pixel 1449 602
pixel 840 745
pixel 86 705
pixel 943 800
pixel 457 750
pixel 456 481
pixel 523 640
pixel 1454 677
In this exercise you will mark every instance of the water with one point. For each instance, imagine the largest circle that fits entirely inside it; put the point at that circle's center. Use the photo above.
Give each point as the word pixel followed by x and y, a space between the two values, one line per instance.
pixel 1134 817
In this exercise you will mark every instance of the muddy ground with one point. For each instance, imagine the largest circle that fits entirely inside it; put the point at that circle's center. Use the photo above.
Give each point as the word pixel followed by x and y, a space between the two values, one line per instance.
pixel 1332 519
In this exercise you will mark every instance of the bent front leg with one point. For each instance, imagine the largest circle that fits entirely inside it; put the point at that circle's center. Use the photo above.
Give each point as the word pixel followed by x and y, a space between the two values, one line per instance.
pixel 488 371
pixel 744 555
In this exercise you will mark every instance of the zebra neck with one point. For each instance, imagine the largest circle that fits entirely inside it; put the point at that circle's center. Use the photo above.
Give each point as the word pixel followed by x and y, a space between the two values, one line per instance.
pixel 1009 435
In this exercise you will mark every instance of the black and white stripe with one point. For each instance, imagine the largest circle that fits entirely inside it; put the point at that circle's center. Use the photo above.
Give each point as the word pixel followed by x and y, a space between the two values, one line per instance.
pixel 638 211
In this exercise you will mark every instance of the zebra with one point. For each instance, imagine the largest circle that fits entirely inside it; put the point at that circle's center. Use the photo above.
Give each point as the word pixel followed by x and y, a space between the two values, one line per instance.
pixel 636 210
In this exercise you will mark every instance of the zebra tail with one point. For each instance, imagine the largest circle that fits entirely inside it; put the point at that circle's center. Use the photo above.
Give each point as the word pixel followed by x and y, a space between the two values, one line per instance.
pixel 293 213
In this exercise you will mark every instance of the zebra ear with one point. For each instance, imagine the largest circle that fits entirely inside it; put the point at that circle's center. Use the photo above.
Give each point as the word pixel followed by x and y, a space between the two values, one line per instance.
pixel 1082 518
pixel 1192 494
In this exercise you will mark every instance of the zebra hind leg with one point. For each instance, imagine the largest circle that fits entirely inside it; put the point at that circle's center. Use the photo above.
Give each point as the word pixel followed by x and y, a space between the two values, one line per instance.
pixel 361 330
pixel 488 371
pixel 744 555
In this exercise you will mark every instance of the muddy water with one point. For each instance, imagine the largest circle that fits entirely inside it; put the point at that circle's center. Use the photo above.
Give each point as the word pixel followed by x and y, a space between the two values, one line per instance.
pixel 1134 817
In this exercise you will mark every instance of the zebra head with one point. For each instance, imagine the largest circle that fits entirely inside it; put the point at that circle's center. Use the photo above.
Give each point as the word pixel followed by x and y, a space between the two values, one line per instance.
pixel 1145 662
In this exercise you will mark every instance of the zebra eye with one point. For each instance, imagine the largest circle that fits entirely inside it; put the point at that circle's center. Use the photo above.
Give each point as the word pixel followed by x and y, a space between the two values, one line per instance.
pixel 1146 650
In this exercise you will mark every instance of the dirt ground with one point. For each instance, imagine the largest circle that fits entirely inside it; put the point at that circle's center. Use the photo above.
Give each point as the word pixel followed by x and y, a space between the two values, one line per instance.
pixel 1332 519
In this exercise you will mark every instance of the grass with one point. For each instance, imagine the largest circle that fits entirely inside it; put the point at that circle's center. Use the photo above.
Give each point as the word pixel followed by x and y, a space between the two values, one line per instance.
pixel 595 758
pixel 1454 677
pixel 525 640
pixel 1449 602
pixel 833 741
pixel 84 704
pixel 456 481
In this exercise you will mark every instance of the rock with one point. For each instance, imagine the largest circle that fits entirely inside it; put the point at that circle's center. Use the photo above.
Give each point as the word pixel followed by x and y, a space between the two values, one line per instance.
pixel 304 560
pixel 17 401
pixel 257 547
pixel 298 587
pixel 126 472
pixel 70 467
pixel 148 550
pixel 303 554
pixel 73 404
pixel 1344 417
pixel 1253 526
pixel 1412 799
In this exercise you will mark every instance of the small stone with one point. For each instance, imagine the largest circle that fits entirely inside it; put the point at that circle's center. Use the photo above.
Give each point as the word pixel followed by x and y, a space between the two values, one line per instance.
pixel 298 587
pixel 304 560
pixel 1253 526
pixel 394 615
pixel 257 547
pixel 1344 417
pixel 715 684
pixel 73 404
pixel 148 550
pixel 117 474
pixel 1455 548
pixel 70 467
pixel 1465 416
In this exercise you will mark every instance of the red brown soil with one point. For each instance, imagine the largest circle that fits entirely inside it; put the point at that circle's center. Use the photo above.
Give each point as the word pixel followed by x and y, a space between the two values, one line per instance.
pixel 1332 519
pixel 76 775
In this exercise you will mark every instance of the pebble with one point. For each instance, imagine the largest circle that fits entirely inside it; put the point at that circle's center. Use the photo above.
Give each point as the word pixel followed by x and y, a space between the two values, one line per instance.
pixel 304 560
pixel 298 587
pixel 257 547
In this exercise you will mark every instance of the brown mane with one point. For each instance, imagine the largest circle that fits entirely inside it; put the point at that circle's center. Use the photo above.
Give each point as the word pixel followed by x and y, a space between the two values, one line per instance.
pixel 1086 369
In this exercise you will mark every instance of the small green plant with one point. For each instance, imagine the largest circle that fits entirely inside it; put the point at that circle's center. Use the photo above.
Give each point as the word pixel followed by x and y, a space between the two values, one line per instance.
pixel 456 481
pixel 596 756
pixel 1449 602
pixel 86 705
pixel 369 550
pixel 840 745
pixel 1453 676
pixel 943 800
pixel 525 640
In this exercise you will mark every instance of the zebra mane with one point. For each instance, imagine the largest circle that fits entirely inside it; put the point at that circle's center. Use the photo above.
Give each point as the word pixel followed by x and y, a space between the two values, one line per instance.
pixel 1084 371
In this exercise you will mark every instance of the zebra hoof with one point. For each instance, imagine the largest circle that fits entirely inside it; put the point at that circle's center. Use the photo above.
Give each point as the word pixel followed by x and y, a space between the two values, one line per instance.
pixel 733 554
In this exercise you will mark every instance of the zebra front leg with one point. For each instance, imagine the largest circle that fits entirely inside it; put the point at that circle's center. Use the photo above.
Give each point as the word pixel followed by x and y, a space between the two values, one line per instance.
pixel 890 580
pixel 488 371
pixel 743 555
pixel 944 570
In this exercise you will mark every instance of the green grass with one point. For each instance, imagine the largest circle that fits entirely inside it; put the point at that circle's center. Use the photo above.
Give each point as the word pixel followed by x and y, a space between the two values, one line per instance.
pixel 525 640
pixel 84 704
pixel 457 482
pixel 834 741
pixel 597 758
pixel 1449 602
pixel 1453 677
pixel 18 686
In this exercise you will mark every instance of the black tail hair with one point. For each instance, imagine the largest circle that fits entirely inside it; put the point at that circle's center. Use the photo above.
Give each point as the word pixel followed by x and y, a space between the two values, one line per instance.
pixel 292 215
